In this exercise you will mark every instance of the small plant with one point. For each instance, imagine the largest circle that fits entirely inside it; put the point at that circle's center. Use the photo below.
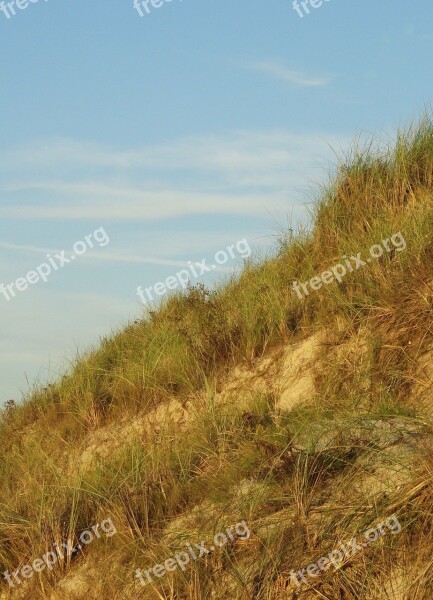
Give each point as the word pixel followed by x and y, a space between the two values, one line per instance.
pixel 9 409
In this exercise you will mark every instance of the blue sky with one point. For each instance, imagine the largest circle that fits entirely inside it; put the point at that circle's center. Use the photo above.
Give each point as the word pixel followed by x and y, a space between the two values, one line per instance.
pixel 180 132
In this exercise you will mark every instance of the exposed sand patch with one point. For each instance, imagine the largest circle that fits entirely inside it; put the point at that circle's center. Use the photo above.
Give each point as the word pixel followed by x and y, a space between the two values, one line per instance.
pixel 295 384
pixel 101 443
pixel 288 374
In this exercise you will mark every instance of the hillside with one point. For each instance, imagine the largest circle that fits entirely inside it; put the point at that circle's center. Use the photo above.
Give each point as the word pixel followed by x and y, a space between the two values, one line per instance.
pixel 269 439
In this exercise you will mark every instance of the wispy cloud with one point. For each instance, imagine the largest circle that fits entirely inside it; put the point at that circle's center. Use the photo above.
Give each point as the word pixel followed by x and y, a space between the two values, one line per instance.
pixel 227 153
pixel 237 173
pixel 107 256
pixel 279 71
pixel 102 201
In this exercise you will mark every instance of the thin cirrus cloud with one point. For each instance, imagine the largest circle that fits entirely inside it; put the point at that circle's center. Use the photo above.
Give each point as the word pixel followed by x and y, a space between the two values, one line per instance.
pixel 224 154
pixel 279 71
pixel 237 173
pixel 112 202
pixel 107 256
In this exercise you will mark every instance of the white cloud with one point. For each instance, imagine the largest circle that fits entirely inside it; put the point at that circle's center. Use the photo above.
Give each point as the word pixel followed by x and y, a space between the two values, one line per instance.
pixel 99 200
pixel 227 153
pixel 108 257
pixel 238 173
pixel 279 71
